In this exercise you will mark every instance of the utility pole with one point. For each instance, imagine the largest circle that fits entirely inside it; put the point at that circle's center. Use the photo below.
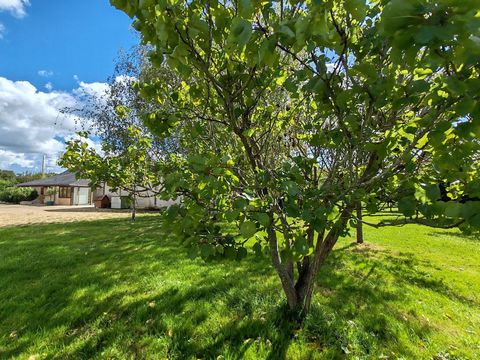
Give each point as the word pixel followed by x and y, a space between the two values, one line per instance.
pixel 44 160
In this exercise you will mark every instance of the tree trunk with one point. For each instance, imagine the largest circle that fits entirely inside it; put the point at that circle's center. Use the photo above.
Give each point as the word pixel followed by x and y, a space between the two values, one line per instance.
pixel 285 278
pixel 358 207
pixel 134 207
pixel 299 294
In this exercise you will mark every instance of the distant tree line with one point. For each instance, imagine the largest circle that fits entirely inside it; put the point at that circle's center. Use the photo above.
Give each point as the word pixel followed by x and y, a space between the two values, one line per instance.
pixel 10 193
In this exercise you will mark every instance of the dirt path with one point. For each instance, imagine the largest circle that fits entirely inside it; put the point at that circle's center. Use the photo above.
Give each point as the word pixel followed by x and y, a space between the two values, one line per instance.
pixel 11 215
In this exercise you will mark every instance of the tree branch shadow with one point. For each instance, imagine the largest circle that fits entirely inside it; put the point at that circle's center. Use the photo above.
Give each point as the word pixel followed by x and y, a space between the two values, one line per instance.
pixel 67 266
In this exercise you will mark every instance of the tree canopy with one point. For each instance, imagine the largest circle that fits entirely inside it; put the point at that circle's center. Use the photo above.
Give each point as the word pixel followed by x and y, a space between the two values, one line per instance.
pixel 297 111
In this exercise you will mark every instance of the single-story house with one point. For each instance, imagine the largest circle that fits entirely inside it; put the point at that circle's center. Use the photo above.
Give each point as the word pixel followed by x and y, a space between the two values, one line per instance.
pixel 65 189
pixel 120 199
pixel 62 189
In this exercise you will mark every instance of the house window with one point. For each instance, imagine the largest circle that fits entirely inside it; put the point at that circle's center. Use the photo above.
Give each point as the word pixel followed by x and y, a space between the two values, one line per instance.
pixel 64 192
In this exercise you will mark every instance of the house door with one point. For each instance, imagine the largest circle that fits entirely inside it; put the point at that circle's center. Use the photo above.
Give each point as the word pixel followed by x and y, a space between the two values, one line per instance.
pixel 82 196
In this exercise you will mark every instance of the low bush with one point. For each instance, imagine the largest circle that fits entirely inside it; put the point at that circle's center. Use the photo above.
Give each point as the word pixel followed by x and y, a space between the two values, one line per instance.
pixel 16 195
pixel 6 184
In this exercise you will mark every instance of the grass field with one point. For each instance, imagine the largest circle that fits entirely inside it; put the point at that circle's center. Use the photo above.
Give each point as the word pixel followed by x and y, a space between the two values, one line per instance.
pixel 115 290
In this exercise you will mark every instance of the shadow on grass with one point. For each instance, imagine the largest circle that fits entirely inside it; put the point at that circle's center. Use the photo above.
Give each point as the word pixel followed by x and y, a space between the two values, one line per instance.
pixel 360 288
pixel 86 285
pixel 92 209
pixel 472 237
pixel 83 289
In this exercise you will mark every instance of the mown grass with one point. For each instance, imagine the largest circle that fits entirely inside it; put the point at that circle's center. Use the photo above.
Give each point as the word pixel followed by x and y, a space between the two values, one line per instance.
pixel 116 290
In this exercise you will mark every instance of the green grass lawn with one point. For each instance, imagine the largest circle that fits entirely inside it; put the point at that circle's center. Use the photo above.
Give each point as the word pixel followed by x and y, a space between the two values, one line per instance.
pixel 115 290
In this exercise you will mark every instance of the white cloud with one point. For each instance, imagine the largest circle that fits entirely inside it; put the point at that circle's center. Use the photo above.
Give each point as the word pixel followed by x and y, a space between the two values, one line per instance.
pixel 2 30
pixel 44 73
pixel 15 7
pixel 32 124
pixel 49 86
pixel 96 89
pixel 9 158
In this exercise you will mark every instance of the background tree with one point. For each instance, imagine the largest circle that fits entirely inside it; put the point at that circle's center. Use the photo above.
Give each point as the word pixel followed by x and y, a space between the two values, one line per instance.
pixel 10 193
pixel 369 90
pixel 114 118
pixel 130 170
pixel 110 115
pixel 7 175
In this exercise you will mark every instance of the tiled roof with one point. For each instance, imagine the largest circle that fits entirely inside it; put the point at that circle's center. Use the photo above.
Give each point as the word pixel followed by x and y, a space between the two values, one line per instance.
pixel 64 179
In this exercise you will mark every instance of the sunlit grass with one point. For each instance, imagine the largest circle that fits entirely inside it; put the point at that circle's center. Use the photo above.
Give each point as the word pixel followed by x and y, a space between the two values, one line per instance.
pixel 113 289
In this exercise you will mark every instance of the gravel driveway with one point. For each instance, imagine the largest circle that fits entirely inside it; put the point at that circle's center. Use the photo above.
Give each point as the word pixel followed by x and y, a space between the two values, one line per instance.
pixel 12 215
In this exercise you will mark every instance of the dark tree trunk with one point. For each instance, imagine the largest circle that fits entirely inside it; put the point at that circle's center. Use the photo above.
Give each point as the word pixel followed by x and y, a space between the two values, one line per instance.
pixel 358 208
pixel 299 293
pixel 134 207
pixel 285 278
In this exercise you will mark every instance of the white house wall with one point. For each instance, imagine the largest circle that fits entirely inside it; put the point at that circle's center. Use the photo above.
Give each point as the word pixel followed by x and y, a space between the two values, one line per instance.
pixel 146 201
pixel 75 196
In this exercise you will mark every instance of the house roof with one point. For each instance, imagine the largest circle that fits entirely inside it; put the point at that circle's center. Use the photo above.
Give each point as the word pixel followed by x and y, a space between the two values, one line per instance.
pixel 64 179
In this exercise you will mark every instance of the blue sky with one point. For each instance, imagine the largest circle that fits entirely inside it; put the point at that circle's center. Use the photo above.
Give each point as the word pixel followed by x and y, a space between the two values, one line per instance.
pixel 66 37
pixel 50 50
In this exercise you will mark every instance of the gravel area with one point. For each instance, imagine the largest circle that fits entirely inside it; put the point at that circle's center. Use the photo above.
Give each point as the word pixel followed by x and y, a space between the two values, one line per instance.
pixel 12 215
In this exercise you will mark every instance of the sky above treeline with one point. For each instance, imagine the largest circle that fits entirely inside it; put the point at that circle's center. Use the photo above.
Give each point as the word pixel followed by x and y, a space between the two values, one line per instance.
pixel 51 53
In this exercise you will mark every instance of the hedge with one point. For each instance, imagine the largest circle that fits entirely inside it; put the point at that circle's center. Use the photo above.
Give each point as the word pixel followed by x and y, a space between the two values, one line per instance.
pixel 16 195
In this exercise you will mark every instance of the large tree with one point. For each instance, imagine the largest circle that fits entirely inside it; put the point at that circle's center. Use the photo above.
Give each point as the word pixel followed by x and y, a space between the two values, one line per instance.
pixel 299 112
pixel 129 151
pixel 108 115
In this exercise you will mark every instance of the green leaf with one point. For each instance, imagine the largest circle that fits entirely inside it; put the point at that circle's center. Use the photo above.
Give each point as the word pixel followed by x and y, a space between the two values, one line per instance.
pixel 420 194
pixel 465 106
pixel 240 31
pixel 206 250
pixel 257 248
pixel 407 206
pixel 357 8
pixel 320 23
pixel 232 215
pixel 396 14
pixel 240 203
pixel 285 30
pixel 262 218
pixel 245 8
pixel 248 229
pixel 475 221
pixel 471 209
pixel 433 192
pixel 230 252
pixel 426 34
pixel 371 207
pixel 453 209
pixel 219 249
pixel 291 188
pixel 266 52
pixel 241 253
pixel 301 246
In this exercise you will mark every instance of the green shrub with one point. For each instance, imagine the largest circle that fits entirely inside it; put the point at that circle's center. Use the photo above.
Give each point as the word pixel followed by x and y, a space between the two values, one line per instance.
pixel 16 195
pixel 6 184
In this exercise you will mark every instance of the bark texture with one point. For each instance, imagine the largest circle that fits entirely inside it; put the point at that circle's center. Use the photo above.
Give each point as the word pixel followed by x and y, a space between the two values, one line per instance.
pixel 299 290
pixel 358 208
